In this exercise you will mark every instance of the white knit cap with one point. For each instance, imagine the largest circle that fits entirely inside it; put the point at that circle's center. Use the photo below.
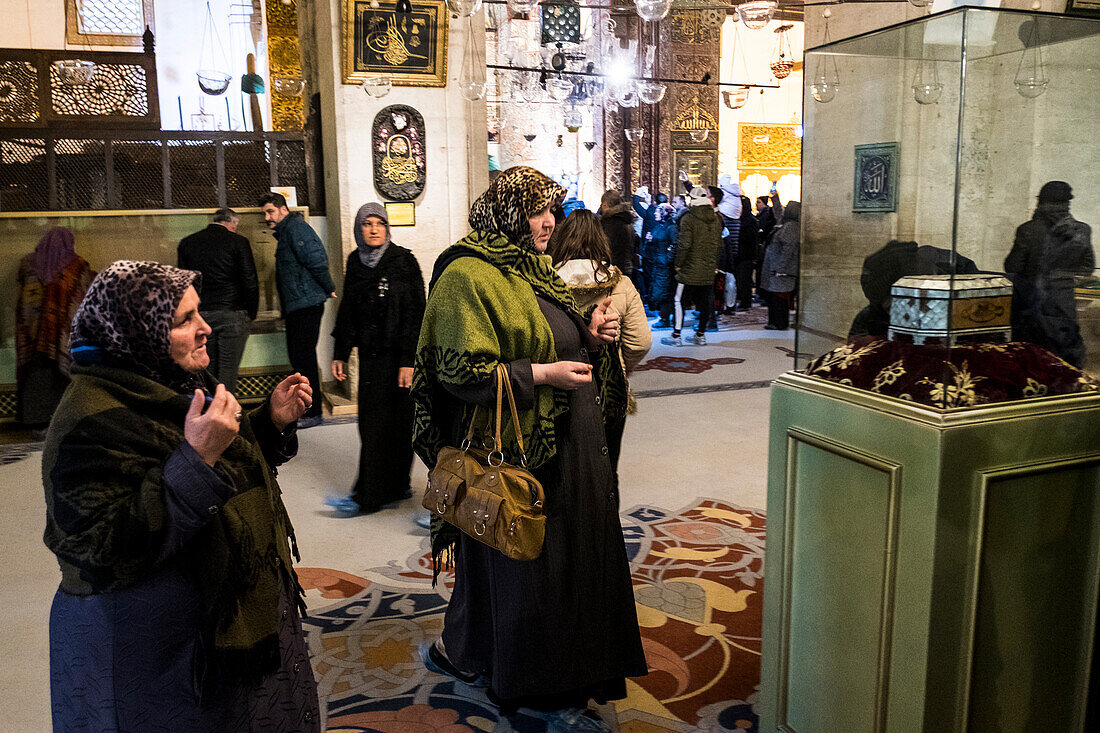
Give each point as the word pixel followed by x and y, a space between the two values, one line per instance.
pixel 698 197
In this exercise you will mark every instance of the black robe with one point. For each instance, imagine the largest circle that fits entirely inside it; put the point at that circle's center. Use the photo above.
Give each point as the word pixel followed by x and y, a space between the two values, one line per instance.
pixel 380 313
pixel 555 631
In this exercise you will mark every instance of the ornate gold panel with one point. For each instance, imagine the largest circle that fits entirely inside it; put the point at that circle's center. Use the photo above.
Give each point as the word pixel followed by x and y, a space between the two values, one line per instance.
pixel 697 26
pixel 694 66
pixel 694 117
pixel 768 149
pixel 284 59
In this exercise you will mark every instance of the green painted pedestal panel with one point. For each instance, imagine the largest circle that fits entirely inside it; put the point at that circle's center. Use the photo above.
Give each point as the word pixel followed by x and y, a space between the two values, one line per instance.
pixel 928 570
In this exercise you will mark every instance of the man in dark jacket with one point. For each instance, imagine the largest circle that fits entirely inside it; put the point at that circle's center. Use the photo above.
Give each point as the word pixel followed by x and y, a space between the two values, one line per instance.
pixel 700 238
pixel 1049 252
pixel 229 291
pixel 304 283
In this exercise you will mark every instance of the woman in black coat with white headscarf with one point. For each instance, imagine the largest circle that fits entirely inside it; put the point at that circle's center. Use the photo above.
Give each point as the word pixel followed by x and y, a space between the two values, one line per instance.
pixel 380 313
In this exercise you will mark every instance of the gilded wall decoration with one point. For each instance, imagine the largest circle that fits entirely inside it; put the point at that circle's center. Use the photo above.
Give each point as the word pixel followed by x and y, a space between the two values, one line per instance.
pixel 411 47
pixel 701 166
pixel 614 151
pixel 690 48
pixel 697 26
pixel 18 91
pixel 694 117
pixel 694 66
pixel 400 160
pixel 284 60
pixel 772 150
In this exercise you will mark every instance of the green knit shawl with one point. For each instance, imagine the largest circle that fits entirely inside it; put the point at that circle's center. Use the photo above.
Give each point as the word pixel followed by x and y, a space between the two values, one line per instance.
pixel 103 474
pixel 483 311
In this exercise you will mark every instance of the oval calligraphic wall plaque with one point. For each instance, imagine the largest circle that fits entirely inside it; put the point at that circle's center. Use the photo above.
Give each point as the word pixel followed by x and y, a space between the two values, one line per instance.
pixel 400 159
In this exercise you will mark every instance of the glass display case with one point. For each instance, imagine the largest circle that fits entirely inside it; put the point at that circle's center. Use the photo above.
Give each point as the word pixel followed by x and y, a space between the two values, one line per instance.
pixel 933 473
pixel 927 146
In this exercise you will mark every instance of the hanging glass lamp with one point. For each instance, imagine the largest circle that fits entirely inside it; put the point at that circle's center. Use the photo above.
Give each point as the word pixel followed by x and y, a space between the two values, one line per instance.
pixel 653 10
pixel 1031 75
pixel 463 8
pixel 826 79
pixel 926 84
pixel 757 14
pixel 471 81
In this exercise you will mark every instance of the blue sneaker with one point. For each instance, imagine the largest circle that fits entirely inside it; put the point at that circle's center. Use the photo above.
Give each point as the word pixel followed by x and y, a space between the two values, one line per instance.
pixel 343 506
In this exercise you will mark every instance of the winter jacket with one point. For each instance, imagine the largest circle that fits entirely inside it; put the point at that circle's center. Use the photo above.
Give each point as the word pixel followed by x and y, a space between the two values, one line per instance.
pixel 301 265
pixel 228 270
pixel 780 269
pixel 664 241
pixel 747 236
pixel 1048 253
pixel 381 307
pixel 635 338
pixel 700 239
pixel 731 242
pixel 618 225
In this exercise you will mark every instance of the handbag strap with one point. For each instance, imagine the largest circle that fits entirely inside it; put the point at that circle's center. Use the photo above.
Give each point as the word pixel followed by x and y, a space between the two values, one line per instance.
pixel 504 387
pixel 515 417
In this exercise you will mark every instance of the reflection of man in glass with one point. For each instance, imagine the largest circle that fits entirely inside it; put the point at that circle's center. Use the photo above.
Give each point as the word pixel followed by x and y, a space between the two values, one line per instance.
pixel 1049 251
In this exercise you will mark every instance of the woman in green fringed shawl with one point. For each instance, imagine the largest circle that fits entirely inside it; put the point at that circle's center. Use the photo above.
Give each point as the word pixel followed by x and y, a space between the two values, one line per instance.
pixel 550 634
pixel 178 608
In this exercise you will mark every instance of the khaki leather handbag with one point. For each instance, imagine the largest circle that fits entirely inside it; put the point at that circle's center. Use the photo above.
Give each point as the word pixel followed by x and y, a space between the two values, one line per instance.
pixel 495 503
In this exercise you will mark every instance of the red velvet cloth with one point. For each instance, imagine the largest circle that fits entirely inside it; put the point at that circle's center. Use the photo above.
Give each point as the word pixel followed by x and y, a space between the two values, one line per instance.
pixel 962 376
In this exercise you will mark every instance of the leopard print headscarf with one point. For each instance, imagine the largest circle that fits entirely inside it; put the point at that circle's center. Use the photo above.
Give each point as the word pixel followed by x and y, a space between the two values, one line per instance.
pixel 516 195
pixel 128 314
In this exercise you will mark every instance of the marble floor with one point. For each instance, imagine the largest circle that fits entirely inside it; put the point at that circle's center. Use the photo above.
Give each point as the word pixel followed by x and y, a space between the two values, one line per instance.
pixel 700 431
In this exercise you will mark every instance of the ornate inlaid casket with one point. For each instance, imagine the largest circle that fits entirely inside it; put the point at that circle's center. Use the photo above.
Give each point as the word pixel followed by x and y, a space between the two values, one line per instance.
pixel 950 309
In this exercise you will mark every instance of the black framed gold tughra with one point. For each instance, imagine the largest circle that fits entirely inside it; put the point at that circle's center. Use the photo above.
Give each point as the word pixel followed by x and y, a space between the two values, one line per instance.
pixel 409 47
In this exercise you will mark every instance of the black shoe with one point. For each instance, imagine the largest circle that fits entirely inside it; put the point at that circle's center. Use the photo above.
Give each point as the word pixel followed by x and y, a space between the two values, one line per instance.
pixel 437 662
pixel 770 327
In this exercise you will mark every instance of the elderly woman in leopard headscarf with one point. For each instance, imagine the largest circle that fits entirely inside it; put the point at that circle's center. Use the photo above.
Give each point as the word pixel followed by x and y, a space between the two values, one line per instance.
pixel 178 607
pixel 553 633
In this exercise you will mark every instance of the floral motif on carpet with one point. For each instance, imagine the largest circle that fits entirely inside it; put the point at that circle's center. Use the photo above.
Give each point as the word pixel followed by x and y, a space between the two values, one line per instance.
pixel 685 364
pixel 698 585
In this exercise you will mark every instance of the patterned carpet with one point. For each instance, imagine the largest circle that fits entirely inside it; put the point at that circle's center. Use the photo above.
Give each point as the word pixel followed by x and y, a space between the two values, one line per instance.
pixel 698 583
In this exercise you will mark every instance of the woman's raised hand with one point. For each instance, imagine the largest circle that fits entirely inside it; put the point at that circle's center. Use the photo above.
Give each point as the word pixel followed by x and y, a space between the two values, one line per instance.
pixel 211 432
pixel 605 322
pixel 562 374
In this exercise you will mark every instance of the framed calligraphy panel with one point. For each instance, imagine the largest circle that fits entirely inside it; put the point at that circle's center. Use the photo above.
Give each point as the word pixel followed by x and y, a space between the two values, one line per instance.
pixel 876 178
pixel 410 47
pixel 400 160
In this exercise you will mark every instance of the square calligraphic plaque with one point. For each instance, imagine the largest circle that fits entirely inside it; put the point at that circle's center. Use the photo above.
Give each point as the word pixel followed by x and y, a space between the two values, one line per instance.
pixel 876 178
pixel 409 47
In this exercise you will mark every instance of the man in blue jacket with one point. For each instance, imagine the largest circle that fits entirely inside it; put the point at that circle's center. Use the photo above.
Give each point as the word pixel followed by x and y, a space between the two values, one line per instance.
pixel 304 284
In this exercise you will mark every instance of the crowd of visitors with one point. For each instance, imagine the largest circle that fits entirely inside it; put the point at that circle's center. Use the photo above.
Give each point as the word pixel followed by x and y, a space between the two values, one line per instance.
pixel 162 506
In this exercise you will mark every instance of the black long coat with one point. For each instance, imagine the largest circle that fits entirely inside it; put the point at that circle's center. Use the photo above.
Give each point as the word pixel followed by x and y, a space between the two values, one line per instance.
pixel 381 307
pixel 618 225
pixel 1048 252
pixel 380 313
